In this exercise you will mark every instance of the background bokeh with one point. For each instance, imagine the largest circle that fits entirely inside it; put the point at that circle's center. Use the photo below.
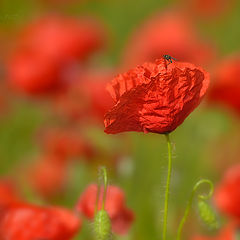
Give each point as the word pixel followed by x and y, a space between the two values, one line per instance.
pixel 127 33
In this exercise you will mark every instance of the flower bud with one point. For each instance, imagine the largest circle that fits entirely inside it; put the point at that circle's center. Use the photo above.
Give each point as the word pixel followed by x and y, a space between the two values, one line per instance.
pixel 207 215
pixel 102 225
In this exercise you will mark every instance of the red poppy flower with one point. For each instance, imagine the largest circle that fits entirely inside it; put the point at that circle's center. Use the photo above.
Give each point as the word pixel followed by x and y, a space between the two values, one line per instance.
pixel 207 8
pixel 8 193
pixel 227 233
pixel 28 222
pixel 46 54
pixel 93 87
pixel 226 85
pixel 32 73
pixel 121 217
pixel 227 194
pixel 48 175
pixel 155 97
pixel 167 33
pixel 87 98
pixel 65 143
pixel 63 38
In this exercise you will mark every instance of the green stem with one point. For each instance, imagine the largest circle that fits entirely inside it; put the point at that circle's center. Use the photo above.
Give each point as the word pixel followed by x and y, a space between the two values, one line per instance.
pixel 190 200
pixel 167 187
pixel 97 200
pixel 103 180
pixel 105 183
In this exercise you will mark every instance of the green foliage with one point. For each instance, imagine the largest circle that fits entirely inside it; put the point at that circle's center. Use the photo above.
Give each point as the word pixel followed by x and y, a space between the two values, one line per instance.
pixel 16 134
pixel 144 184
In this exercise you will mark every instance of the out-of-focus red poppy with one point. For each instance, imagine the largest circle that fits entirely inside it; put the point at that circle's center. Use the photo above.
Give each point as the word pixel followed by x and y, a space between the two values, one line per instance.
pixel 63 38
pixel 94 88
pixel 28 222
pixel 86 98
pixel 167 33
pixel 227 233
pixel 8 193
pixel 48 175
pixel 66 143
pixel 207 8
pixel 227 193
pixel 48 50
pixel 33 74
pixel 226 85
pixel 155 97
pixel 121 217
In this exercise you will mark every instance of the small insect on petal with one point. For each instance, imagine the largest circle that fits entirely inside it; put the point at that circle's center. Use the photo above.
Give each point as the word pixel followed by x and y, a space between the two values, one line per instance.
pixel 169 58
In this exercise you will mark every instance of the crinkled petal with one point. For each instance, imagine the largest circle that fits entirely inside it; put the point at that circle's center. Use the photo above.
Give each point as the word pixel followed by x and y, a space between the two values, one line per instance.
pixel 160 104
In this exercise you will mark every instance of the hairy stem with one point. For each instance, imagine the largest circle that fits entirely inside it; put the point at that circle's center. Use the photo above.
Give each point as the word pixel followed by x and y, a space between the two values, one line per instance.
pixel 105 183
pixel 167 187
pixel 103 180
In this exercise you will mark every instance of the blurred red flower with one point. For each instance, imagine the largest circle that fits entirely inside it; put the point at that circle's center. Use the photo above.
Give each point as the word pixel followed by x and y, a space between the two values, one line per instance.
pixel 94 88
pixel 226 85
pixel 32 73
pixel 48 175
pixel 87 98
pixel 63 38
pixel 226 233
pixel 207 8
pixel 28 222
pixel 167 33
pixel 8 193
pixel 155 97
pixel 66 143
pixel 61 147
pixel 227 193
pixel 121 217
pixel 48 50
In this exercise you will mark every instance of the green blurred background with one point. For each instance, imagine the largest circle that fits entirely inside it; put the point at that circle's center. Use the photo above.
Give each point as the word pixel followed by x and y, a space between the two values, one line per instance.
pixel 204 145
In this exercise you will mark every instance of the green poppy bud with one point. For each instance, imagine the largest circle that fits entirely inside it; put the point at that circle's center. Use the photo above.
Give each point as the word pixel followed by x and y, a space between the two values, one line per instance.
pixel 207 214
pixel 102 225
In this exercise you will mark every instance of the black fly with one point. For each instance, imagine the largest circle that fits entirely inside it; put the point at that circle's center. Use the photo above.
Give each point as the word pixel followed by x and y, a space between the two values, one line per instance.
pixel 169 58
